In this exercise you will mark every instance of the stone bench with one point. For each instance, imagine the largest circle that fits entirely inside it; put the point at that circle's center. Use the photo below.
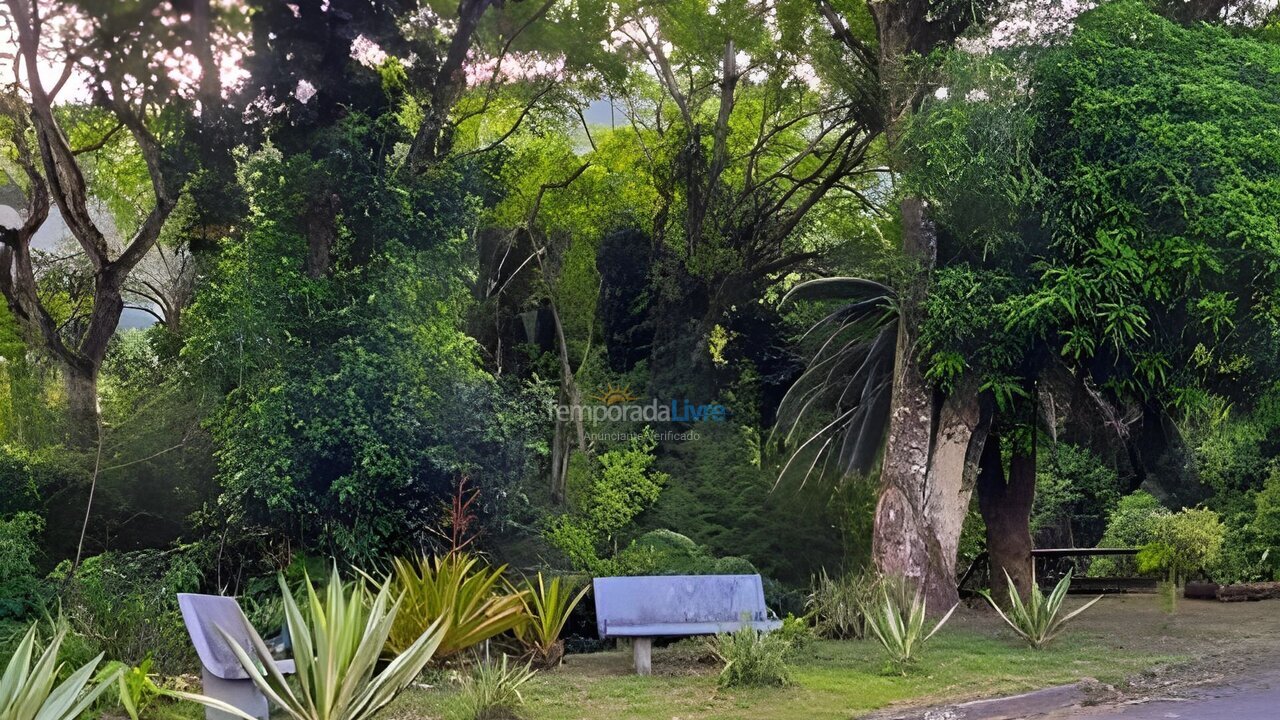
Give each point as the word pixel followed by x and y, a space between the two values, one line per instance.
pixel 222 676
pixel 643 608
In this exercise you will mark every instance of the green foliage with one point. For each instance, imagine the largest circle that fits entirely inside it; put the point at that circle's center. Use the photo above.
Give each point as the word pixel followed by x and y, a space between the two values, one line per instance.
pixel 547 606
pixel 839 605
pixel 897 619
pixel 27 688
pixel 1183 543
pixel 798 632
pixel 1162 155
pixel 136 691
pixel 353 400
pixel 752 658
pixel 20 588
pixel 467 599
pixel 1075 493
pixel 663 552
pixel 337 646
pixel 605 499
pixel 126 604
pixel 491 691
pixel 1038 620
pixel 1131 524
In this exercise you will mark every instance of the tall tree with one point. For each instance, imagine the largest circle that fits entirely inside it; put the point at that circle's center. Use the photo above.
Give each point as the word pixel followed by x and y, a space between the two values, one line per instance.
pixel 110 52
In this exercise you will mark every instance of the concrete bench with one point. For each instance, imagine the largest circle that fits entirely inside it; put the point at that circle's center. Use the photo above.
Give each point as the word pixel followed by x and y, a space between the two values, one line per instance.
pixel 642 608
pixel 221 673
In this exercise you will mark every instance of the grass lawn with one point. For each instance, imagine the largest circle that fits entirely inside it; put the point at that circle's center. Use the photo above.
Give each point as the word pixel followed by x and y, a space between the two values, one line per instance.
pixel 833 679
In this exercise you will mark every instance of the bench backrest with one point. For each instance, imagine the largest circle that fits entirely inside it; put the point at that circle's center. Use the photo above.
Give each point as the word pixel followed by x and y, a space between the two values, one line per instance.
pixel 203 615
pixel 678 605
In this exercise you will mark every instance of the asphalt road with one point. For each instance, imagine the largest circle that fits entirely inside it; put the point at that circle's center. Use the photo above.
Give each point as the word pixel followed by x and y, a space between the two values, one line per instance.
pixel 1245 698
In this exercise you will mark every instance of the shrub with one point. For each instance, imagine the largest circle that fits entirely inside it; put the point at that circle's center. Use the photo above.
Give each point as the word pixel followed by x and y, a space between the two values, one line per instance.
pixel 474 600
pixel 797 631
pixel 897 620
pixel 752 658
pixel 336 655
pixel 135 691
pixel 1131 524
pixel 19 547
pixel 1039 620
pixel 126 605
pixel 492 690
pixel 839 605
pixel 27 690
pixel 547 606
pixel 1182 543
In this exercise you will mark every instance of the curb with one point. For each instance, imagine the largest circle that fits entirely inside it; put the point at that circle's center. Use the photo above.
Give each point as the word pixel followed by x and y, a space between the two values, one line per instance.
pixel 1016 707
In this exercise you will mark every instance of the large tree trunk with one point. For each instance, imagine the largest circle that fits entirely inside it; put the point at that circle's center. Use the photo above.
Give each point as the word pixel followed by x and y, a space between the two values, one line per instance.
pixel 930 461
pixel 1006 508
pixel 81 383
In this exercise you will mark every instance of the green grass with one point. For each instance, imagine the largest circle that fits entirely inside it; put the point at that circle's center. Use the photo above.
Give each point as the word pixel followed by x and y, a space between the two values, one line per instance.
pixel 834 679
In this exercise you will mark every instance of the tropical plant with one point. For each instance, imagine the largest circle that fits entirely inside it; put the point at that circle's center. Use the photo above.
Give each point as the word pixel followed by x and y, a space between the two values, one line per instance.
pixel 1039 619
pixel 547 606
pixel 135 690
pixel 838 409
pixel 473 600
pixel 27 690
pixel 838 605
pixel 751 657
pixel 898 622
pixel 492 690
pixel 336 655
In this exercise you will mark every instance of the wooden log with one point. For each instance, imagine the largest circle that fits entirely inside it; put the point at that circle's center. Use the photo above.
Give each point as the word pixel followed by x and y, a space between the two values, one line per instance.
pixel 1246 592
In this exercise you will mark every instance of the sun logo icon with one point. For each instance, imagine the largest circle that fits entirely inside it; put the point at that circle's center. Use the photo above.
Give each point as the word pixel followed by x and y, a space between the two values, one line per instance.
pixel 616 395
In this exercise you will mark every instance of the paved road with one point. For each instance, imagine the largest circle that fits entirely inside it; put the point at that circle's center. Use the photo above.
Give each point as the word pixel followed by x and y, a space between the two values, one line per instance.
pixel 1246 698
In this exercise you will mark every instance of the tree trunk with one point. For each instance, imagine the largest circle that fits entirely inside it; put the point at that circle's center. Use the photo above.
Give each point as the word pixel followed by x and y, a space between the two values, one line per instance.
pixel 927 476
pixel 81 383
pixel 1006 509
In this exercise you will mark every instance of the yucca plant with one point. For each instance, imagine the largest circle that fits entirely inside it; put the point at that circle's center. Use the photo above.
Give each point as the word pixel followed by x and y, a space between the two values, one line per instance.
pixel 547 606
pixel 492 690
pixel 899 624
pixel 1038 620
pixel 27 690
pixel 472 599
pixel 336 648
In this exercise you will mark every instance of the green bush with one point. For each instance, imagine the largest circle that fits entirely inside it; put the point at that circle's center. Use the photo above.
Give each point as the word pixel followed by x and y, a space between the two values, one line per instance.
pixel 491 691
pixel 838 605
pixel 20 587
pixel 126 605
pixel 1131 524
pixel 1181 544
pixel 604 501
pixel 752 658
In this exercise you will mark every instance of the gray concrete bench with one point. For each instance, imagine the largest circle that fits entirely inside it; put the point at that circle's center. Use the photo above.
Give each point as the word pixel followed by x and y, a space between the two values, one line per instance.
pixel 222 676
pixel 643 608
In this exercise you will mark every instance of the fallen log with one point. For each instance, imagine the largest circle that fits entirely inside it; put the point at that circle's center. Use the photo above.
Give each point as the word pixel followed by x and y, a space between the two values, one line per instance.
pixel 1249 592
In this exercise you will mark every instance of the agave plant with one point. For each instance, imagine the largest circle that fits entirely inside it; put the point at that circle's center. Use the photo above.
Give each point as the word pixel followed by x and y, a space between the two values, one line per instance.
pixel 472 599
pixel 844 391
pixel 336 653
pixel 547 606
pixel 27 690
pixel 1039 620
pixel 899 625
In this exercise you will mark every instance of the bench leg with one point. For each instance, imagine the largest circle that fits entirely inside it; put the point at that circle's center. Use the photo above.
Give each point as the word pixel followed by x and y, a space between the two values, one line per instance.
pixel 242 694
pixel 642 651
